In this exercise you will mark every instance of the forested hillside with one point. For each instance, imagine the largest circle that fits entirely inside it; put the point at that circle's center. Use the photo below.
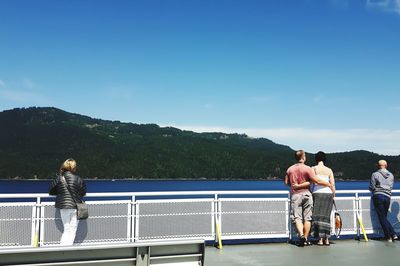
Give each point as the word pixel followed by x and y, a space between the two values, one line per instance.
pixel 34 142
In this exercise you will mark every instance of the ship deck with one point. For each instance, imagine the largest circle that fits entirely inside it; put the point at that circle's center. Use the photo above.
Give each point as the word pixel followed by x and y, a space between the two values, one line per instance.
pixel 339 253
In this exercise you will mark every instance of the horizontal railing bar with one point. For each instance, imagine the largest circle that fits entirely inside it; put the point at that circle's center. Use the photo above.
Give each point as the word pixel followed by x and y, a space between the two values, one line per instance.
pixel 160 193
pixel 178 193
pixel 25 195
pixel 101 246
pixel 355 191
pixel 197 255
pixel 78 262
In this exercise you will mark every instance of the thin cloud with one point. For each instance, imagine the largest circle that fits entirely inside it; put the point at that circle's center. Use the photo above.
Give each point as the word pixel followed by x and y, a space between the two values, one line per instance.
pixel 28 83
pixel 260 99
pixel 385 5
pixel 392 6
pixel 317 99
pixel 208 106
pixel 23 97
pixel 382 141
pixel 21 92
pixel 119 93
pixel 344 4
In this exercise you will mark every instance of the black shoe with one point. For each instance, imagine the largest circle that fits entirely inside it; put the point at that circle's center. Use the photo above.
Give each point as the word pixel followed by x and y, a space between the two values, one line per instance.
pixel 303 241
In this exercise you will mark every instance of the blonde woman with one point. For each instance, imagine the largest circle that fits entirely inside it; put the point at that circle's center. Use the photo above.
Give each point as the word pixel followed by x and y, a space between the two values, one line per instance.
pixel 323 201
pixel 69 188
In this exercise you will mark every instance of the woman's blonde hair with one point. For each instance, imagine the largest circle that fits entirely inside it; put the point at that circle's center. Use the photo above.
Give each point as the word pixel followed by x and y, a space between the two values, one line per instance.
pixel 68 165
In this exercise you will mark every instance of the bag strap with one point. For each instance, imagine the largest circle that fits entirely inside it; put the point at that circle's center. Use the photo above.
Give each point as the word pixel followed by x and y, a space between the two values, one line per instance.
pixel 65 183
pixel 334 204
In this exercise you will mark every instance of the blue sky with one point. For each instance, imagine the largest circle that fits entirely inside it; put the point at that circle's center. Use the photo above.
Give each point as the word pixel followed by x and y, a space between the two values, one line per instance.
pixel 312 74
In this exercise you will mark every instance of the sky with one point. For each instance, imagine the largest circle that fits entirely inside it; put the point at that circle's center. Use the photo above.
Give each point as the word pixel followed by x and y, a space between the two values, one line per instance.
pixel 311 74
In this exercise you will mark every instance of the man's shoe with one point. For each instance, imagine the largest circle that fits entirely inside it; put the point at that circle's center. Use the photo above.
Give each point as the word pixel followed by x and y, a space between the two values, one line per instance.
pixel 303 241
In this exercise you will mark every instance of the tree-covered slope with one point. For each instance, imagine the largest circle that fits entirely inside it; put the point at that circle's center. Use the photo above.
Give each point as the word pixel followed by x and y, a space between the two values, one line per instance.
pixel 35 141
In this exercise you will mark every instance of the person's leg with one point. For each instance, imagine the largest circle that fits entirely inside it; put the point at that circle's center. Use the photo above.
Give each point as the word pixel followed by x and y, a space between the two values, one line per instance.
pixel 380 203
pixel 299 227
pixel 307 213
pixel 307 229
pixel 300 231
pixel 70 222
pixel 65 218
pixel 297 216
pixel 386 204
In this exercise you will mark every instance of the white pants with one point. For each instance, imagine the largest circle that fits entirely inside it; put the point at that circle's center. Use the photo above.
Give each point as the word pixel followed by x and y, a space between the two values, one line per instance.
pixel 70 222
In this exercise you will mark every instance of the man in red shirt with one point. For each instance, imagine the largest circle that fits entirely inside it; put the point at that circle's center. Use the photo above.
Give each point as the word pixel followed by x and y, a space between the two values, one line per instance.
pixel 299 177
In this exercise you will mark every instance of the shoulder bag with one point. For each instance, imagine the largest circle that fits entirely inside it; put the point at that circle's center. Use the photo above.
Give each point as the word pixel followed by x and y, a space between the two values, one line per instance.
pixel 81 208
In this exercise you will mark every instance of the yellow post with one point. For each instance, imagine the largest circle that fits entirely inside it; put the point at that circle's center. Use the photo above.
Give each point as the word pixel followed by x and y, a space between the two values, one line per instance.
pixel 218 234
pixel 37 226
pixel 362 227
pixel 36 240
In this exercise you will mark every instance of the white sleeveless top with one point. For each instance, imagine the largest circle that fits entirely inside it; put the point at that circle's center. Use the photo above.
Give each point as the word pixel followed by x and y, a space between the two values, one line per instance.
pixel 322 189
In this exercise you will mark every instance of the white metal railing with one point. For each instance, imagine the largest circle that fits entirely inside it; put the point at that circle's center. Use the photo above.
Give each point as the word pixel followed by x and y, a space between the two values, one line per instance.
pixel 28 220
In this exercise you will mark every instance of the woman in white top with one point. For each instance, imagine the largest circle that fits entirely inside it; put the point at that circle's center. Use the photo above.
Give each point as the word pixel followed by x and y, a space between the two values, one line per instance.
pixel 323 200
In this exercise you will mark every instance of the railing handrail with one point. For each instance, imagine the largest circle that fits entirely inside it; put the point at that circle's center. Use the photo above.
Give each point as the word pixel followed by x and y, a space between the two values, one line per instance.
pixel 179 193
pixel 155 193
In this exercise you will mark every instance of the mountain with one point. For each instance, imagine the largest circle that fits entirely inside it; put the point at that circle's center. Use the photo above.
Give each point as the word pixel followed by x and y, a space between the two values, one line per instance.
pixel 35 141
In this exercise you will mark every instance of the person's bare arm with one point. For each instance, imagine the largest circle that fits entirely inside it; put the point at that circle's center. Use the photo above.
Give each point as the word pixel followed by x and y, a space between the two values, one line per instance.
pixel 303 185
pixel 287 180
pixel 332 182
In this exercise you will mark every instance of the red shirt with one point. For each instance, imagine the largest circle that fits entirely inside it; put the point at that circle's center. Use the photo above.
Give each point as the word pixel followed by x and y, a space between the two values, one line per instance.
pixel 299 173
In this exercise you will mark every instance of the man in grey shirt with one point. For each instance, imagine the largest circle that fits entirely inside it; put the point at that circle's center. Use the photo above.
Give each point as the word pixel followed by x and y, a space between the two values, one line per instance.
pixel 381 185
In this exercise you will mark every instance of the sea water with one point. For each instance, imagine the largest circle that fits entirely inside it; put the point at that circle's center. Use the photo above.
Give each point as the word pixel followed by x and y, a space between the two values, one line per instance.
pixel 42 186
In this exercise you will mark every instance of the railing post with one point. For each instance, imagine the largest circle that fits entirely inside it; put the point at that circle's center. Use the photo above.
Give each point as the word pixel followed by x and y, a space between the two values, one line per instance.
pixel 217 221
pixel 37 233
pixel 131 221
pixel 136 222
pixel 288 221
pixel 357 213
pixel 215 218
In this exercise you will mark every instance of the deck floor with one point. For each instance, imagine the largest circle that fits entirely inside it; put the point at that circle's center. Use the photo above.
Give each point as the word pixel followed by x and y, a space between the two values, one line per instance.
pixel 339 253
